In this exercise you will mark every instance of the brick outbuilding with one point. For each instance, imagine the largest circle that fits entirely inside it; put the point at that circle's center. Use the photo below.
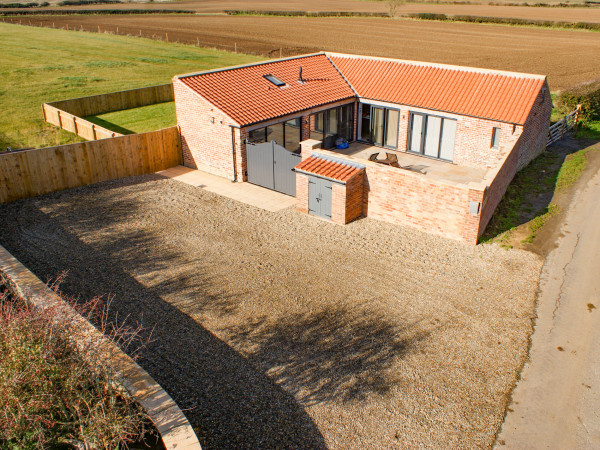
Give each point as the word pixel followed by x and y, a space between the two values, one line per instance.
pixel 430 146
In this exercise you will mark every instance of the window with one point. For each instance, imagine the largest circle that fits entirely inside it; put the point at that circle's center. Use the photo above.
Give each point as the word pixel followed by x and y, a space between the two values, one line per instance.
pixel 273 79
pixel 317 126
pixel 495 137
pixel 276 133
pixel 328 125
pixel 379 125
pixel 287 134
pixel 292 134
pixel 432 136
pixel 257 136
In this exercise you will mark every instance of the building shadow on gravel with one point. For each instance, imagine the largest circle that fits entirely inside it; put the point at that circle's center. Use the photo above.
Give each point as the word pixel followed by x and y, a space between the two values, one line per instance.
pixel 338 355
pixel 333 355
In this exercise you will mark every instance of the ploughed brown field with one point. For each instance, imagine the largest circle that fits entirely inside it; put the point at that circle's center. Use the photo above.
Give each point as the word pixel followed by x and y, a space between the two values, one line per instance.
pixel 585 14
pixel 568 57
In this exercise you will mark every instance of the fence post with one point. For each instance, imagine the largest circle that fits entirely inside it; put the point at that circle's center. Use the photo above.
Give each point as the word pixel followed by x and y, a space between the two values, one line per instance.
pixel 59 119
pixel 577 116
pixel 94 131
pixel 75 125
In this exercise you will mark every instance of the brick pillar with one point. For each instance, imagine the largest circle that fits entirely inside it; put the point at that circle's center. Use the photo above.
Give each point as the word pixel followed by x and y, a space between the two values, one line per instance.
pixel 471 226
pixel 302 193
pixel 307 147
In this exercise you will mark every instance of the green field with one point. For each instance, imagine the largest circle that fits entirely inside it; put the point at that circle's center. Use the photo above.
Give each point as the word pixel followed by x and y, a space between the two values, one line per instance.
pixel 41 65
pixel 138 120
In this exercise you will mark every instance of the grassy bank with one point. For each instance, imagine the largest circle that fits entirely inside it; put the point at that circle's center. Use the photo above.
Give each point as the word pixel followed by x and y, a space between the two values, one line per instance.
pixel 527 204
pixel 43 64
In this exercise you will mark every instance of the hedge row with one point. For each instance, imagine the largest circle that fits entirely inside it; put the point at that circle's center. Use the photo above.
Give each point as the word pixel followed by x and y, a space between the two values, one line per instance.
pixel 60 12
pixel 249 12
pixel 586 4
pixel 86 2
pixel 506 21
pixel 587 95
pixel 23 5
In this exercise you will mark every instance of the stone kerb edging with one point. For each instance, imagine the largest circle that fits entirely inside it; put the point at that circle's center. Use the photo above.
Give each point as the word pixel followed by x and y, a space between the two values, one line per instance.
pixel 174 428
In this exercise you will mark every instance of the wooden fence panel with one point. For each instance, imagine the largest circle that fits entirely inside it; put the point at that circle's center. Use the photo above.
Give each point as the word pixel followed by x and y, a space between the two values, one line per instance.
pixel 75 124
pixel 39 171
pixel 115 101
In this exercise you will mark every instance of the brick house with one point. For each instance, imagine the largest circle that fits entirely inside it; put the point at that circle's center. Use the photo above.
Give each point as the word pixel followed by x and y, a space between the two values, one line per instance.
pixel 431 146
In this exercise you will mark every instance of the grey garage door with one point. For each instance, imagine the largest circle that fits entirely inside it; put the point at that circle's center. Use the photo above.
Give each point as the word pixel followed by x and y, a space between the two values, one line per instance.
pixel 270 165
pixel 319 197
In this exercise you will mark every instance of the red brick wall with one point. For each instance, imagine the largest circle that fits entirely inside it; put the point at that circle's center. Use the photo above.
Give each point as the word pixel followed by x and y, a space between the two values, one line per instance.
pixel 206 136
pixel 401 197
pixel 354 197
pixel 405 198
pixel 497 188
pixel 535 131
pixel 473 146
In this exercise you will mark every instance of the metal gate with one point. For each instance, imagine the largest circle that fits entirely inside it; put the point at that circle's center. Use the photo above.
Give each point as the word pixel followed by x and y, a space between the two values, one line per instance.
pixel 270 165
pixel 319 197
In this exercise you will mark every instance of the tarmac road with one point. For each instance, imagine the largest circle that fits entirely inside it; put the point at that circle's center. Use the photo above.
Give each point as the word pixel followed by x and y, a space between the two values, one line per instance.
pixel 557 402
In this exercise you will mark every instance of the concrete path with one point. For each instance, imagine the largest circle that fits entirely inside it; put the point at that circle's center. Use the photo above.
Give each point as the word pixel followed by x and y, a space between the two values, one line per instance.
pixel 557 403
pixel 243 192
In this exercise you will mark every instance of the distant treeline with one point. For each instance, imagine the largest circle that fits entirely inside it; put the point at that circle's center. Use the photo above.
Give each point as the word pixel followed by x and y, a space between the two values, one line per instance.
pixel 86 2
pixel 23 5
pixel 506 21
pixel 249 12
pixel 60 12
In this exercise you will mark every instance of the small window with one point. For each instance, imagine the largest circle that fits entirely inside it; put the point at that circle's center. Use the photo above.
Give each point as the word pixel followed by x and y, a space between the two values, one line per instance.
pixel 273 79
pixel 495 137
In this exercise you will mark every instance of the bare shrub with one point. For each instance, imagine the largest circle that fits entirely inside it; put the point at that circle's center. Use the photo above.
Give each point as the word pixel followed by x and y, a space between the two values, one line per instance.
pixel 393 6
pixel 54 392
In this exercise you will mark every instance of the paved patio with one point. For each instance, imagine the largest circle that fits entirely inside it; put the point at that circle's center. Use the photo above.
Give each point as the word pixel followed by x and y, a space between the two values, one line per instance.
pixel 247 193
pixel 432 168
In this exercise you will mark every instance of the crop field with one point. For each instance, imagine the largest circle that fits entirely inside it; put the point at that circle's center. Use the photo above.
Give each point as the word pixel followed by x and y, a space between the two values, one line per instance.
pixel 568 57
pixel 41 65
pixel 477 8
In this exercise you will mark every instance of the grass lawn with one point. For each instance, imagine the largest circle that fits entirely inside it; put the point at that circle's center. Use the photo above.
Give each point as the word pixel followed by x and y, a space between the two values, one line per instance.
pixel 138 120
pixel 42 64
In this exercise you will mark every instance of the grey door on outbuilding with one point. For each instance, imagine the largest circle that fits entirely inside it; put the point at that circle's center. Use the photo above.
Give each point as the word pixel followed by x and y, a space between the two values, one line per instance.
pixel 270 165
pixel 319 197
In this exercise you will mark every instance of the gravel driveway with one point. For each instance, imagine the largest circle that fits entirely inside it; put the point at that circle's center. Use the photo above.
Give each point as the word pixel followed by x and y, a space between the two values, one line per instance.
pixel 278 330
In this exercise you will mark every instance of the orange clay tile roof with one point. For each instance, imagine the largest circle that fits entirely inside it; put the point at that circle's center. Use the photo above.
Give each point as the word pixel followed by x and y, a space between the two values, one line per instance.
pixel 247 97
pixel 327 168
pixel 503 96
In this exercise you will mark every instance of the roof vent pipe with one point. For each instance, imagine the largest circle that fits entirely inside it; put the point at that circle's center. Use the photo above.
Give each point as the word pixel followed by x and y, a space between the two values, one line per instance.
pixel 300 80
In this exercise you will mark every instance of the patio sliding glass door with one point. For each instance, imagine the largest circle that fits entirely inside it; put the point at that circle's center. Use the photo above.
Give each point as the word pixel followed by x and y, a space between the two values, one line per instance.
pixel 432 136
pixel 379 125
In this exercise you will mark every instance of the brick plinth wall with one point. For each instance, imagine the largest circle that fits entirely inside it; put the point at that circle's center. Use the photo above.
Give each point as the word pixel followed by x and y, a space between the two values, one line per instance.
pixel 401 197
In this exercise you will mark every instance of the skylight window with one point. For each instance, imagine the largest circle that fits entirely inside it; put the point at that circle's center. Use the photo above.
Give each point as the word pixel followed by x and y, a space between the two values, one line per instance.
pixel 273 79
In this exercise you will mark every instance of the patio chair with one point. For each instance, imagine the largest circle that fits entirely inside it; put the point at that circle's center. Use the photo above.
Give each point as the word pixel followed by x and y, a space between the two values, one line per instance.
pixel 392 159
pixel 373 156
